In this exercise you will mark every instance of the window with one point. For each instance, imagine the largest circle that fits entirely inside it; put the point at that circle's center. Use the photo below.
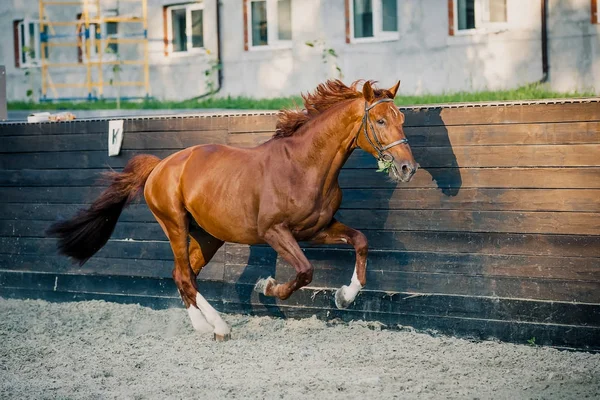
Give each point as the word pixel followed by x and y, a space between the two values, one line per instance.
pixel 28 47
pixel 111 31
pixel 108 30
pixel 372 20
pixel 270 23
pixel 470 15
pixel 185 30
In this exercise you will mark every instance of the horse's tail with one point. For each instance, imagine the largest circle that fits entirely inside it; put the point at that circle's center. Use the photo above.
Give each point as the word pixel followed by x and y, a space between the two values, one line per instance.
pixel 88 231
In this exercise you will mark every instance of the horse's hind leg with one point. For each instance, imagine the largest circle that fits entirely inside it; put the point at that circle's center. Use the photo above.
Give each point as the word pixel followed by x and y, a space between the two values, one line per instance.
pixel 202 248
pixel 175 226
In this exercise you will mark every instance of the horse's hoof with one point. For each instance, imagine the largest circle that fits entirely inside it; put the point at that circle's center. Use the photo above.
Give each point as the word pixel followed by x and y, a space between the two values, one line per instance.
pixel 263 284
pixel 222 338
pixel 340 298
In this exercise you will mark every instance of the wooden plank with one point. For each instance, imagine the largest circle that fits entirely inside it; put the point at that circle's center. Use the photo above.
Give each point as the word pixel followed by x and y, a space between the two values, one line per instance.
pixel 148 250
pixel 571 223
pixel 504 134
pixel 124 230
pixel 71 160
pixel 159 303
pixel 252 123
pixel 52 212
pixel 584 155
pixel 509 178
pixel 472 135
pixel 131 141
pixel 474 221
pixel 175 124
pixel 51 177
pixel 583 200
pixel 54 128
pixel 131 285
pixel 438 283
pixel 202 122
pixel 466 199
pixel 96 265
pixel 373 301
pixel 486 243
pixel 580 155
pixel 56 194
pixel 249 139
pixel 484 114
pixel 382 262
pixel 411 241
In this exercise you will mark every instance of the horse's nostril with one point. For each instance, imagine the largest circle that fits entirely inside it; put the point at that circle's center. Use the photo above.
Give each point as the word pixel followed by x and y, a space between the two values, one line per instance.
pixel 405 169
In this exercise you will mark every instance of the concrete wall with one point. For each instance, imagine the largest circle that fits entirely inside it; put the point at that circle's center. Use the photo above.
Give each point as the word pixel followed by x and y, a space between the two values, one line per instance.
pixel 425 57
pixel 574 46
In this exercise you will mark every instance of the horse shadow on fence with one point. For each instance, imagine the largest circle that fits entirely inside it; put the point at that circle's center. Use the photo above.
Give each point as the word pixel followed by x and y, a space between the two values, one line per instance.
pixel 438 180
pixel 432 150
pixel 441 164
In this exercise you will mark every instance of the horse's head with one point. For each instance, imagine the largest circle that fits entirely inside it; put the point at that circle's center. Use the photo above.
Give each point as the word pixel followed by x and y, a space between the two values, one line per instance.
pixel 381 133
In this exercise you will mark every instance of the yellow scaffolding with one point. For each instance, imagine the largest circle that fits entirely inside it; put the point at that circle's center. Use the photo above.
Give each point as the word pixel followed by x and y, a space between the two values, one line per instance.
pixel 91 15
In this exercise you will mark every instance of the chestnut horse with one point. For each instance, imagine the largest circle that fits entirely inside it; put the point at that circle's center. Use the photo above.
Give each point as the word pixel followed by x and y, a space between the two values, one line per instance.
pixel 283 191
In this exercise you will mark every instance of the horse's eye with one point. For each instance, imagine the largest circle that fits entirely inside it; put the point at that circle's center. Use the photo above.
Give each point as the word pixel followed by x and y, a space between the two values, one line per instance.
pixel 381 121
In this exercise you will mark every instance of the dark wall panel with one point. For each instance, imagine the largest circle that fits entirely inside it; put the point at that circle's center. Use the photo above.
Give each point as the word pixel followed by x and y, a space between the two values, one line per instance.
pixel 498 234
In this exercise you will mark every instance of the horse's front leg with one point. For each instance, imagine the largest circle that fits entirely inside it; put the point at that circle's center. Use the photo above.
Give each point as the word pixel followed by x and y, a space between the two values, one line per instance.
pixel 337 233
pixel 281 239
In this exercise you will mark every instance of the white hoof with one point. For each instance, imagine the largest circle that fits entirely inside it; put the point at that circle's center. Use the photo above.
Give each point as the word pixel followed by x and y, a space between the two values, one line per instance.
pixel 221 328
pixel 222 332
pixel 262 285
pixel 341 298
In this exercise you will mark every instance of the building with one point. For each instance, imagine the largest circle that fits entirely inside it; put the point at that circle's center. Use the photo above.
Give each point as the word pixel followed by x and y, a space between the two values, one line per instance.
pixel 274 48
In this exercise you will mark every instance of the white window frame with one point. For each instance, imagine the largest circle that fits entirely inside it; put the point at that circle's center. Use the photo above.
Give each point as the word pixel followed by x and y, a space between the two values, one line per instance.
pixel 379 35
pixel 101 42
pixel 29 61
pixel 188 29
pixel 481 26
pixel 273 41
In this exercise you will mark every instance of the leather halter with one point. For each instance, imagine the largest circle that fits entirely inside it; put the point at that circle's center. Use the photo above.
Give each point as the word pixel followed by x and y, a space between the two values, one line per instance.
pixel 379 148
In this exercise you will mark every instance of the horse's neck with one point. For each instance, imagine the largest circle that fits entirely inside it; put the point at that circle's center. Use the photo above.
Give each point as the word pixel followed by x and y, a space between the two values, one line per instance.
pixel 326 142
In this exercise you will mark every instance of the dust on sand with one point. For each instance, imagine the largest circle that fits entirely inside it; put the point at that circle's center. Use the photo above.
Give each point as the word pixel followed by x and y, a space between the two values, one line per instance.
pixel 99 350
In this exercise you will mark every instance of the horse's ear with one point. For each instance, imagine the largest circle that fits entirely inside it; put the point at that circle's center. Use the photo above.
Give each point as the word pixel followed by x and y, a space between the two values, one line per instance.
pixel 368 93
pixel 394 89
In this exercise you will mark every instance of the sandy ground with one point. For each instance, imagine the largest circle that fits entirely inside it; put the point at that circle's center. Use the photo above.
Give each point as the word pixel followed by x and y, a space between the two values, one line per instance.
pixel 98 350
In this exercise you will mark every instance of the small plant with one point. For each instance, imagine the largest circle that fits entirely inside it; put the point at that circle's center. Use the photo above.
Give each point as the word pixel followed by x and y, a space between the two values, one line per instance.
pixel 209 73
pixel 328 55
pixel 116 74
pixel 384 165
pixel 531 341
pixel 30 55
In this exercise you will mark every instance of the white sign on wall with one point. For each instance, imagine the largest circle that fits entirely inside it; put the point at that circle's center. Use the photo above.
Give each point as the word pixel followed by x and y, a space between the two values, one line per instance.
pixel 115 137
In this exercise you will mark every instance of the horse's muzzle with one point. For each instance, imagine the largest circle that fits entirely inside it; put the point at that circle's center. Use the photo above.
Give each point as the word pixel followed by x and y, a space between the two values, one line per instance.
pixel 405 170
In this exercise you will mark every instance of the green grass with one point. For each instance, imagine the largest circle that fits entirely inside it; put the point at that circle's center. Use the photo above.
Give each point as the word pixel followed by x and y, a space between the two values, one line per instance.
pixel 530 92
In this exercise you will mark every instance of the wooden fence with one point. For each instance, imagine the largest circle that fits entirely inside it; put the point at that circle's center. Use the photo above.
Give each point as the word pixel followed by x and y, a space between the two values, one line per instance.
pixel 497 236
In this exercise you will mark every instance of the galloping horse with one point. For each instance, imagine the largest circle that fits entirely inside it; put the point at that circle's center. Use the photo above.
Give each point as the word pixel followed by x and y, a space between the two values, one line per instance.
pixel 283 191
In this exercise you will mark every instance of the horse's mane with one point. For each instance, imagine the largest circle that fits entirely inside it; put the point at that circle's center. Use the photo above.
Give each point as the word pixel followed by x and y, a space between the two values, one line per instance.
pixel 324 97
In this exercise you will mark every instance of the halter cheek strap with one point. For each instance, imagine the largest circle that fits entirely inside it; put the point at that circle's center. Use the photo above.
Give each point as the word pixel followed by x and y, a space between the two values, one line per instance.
pixel 379 148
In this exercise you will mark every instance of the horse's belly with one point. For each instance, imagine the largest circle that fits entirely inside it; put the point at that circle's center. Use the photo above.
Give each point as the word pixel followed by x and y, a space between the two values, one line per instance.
pixel 225 218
